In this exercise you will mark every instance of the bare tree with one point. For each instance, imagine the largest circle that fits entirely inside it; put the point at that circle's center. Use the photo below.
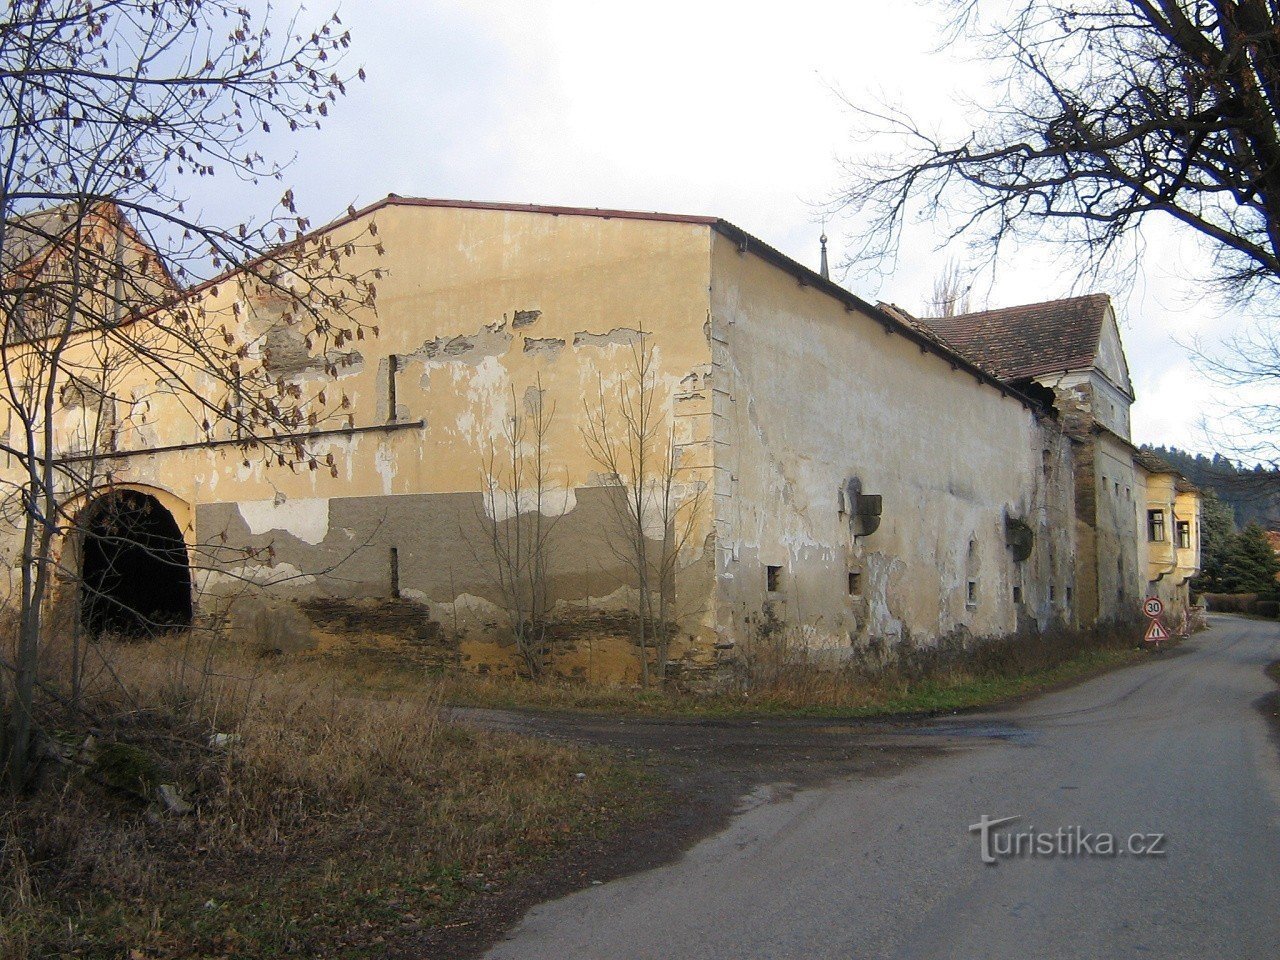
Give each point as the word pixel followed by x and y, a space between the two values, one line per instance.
pixel 632 439
pixel 952 292
pixel 107 280
pixel 521 517
pixel 1111 111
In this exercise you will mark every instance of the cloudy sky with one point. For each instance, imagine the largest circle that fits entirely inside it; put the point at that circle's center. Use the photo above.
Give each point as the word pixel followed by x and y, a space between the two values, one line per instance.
pixel 709 107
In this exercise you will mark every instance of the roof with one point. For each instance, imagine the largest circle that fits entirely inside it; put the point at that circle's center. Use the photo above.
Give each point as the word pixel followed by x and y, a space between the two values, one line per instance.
pixel 1154 464
pixel 394 199
pixel 28 235
pixel 1020 343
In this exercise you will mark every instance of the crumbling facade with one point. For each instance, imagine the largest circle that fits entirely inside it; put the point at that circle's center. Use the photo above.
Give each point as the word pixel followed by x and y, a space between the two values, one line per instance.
pixel 841 470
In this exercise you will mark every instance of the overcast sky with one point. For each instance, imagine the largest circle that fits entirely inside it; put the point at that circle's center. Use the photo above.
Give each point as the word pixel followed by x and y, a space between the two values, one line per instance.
pixel 720 108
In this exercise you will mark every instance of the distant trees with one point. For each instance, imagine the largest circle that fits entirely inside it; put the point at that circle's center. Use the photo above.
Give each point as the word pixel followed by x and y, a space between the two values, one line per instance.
pixel 952 292
pixel 1251 494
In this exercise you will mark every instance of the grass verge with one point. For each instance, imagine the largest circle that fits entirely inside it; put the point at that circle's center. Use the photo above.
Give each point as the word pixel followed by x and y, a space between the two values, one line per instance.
pixel 939 680
pixel 331 821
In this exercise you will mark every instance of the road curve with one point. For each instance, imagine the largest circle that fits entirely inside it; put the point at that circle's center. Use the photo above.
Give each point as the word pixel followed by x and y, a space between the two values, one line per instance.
pixel 886 867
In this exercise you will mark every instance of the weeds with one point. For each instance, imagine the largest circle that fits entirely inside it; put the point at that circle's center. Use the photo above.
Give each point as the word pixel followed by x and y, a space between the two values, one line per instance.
pixel 777 671
pixel 325 818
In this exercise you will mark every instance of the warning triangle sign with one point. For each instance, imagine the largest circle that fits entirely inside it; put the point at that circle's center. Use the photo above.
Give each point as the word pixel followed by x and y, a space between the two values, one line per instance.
pixel 1156 633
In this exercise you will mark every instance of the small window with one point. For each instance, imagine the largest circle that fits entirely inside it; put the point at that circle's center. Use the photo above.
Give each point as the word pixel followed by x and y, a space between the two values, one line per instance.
pixel 773 579
pixel 1117 488
pixel 1053 593
pixel 971 597
pixel 1068 594
pixel 1155 526
pixel 1184 534
pixel 855 583
pixel 1017 594
pixel 1128 494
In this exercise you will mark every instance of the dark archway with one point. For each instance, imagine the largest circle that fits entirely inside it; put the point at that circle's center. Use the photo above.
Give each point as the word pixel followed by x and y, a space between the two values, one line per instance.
pixel 135 579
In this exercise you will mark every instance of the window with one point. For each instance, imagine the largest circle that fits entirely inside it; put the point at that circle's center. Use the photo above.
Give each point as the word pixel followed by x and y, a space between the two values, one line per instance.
pixel 855 583
pixel 1068 594
pixel 1053 593
pixel 773 579
pixel 1116 491
pixel 393 367
pixel 1184 534
pixel 971 598
pixel 1017 594
pixel 1155 526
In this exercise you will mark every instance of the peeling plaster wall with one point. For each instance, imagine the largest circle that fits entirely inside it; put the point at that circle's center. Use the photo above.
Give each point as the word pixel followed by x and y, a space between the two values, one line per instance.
pixel 1111 522
pixel 475 306
pixel 807 395
pixel 1118 522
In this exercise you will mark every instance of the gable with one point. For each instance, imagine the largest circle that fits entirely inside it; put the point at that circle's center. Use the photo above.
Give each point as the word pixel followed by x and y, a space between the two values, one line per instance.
pixel 1110 360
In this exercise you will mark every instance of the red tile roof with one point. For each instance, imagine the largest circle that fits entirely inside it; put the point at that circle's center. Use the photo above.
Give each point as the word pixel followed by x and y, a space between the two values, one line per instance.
pixel 1019 343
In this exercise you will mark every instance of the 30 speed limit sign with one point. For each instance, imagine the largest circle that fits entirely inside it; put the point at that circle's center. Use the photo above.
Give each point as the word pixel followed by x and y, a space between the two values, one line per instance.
pixel 1152 607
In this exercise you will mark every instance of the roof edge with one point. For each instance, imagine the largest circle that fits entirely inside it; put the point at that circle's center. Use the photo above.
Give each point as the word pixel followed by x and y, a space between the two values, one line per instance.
pixel 746 242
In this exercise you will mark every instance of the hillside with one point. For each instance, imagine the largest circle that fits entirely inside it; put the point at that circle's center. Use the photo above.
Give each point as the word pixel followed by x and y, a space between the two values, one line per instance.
pixel 1252 493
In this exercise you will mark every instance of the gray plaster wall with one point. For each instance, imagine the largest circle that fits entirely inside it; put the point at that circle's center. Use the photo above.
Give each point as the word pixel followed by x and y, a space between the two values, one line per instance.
pixel 341 548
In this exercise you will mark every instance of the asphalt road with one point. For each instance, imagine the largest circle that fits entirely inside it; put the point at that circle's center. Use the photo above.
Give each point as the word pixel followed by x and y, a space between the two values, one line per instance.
pixel 885 866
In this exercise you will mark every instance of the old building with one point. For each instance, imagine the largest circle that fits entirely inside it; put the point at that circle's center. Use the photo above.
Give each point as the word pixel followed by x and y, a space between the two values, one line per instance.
pixel 1069 353
pixel 817 464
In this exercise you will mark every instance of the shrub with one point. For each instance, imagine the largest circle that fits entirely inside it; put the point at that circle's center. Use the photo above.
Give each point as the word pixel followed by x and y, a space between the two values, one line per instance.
pixel 1231 602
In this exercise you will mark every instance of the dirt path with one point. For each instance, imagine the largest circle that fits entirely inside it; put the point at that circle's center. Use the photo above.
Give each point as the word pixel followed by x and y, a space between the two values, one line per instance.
pixel 712 770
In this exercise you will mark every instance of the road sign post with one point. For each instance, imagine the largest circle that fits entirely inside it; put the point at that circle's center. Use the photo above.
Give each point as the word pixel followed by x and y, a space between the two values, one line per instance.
pixel 1152 607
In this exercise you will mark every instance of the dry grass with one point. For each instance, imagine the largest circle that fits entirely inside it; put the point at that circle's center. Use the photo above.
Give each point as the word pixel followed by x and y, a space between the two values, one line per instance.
pixel 777 673
pixel 336 821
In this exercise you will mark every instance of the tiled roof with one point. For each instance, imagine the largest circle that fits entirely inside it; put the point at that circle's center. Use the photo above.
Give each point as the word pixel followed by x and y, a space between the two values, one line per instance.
pixel 1019 343
pixel 1154 464
pixel 28 235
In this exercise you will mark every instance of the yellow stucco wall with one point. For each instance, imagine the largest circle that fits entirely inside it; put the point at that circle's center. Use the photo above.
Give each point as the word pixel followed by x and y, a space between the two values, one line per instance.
pixel 476 305
pixel 776 394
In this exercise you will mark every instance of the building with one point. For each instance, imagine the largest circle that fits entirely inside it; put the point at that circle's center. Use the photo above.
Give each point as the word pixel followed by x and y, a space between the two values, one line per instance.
pixel 841 471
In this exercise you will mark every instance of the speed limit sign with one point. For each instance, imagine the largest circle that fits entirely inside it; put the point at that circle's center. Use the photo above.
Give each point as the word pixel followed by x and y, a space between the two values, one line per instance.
pixel 1152 607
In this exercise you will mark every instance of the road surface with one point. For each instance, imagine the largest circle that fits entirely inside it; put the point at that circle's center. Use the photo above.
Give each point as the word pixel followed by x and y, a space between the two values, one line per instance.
pixel 886 866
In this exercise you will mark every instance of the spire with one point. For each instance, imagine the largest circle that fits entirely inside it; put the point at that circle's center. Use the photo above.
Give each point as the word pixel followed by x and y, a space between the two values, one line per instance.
pixel 826 274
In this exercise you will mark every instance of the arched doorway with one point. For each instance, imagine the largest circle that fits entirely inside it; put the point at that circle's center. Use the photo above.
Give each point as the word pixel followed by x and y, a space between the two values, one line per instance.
pixel 134 573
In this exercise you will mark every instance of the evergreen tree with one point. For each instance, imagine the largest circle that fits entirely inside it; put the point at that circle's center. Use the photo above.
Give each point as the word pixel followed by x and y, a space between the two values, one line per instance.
pixel 1217 525
pixel 1250 565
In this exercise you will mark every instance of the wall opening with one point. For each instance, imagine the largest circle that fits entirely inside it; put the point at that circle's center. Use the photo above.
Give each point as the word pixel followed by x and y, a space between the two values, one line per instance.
pixel 773 579
pixel 135 579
